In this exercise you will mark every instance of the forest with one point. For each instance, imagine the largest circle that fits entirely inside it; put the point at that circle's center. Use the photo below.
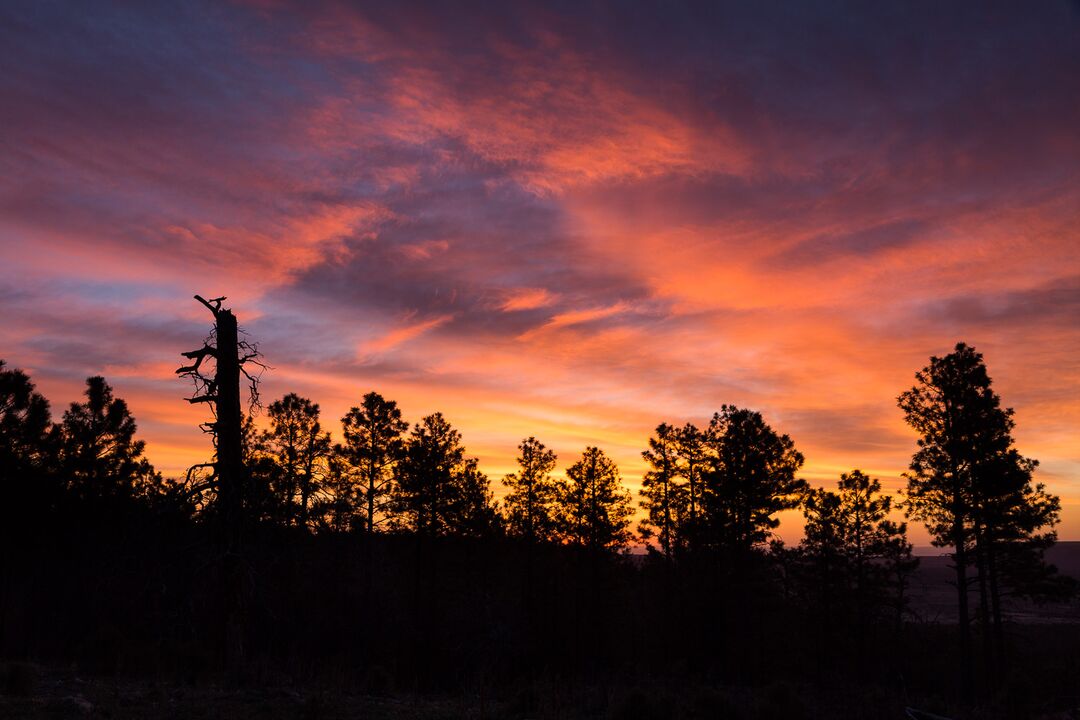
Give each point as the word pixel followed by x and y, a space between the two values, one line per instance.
pixel 374 559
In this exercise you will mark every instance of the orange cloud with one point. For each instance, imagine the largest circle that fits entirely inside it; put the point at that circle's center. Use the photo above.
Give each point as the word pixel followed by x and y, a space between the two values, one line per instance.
pixel 402 335
pixel 526 299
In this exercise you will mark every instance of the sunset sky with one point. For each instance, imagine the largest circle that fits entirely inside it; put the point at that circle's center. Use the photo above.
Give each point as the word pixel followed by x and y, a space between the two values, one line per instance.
pixel 569 220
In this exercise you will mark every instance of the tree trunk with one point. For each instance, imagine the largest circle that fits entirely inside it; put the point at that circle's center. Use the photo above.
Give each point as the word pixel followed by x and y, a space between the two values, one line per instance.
pixel 984 603
pixel 223 392
pixel 691 479
pixel 995 604
pixel 230 464
pixel 230 469
pixel 960 560
pixel 371 508
pixel 372 487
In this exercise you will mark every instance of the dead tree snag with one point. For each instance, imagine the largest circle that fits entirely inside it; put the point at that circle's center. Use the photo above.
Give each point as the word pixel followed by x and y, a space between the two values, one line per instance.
pixel 219 387
pixel 215 370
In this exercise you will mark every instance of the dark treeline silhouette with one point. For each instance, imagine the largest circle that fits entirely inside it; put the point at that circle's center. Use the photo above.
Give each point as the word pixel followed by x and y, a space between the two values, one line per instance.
pixel 383 559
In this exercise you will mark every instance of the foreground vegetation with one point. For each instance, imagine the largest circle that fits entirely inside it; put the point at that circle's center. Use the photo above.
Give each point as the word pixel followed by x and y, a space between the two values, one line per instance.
pixel 381 564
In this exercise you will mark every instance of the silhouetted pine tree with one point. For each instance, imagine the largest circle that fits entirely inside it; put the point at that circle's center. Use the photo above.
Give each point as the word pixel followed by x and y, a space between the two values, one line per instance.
pixel 29 441
pixel 663 497
pixel 373 445
pixel 530 508
pixel 27 446
pixel 1013 526
pixel 952 408
pixel 856 560
pixel 899 564
pixel 595 506
pixel 868 537
pixel 751 479
pixel 970 487
pixel 823 531
pixel 338 510
pixel 824 562
pixel 437 491
pixel 476 514
pixel 99 455
pixel 693 462
pixel 299 449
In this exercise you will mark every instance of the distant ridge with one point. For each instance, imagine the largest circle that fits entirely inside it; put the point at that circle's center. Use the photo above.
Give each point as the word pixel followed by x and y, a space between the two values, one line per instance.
pixel 1065 554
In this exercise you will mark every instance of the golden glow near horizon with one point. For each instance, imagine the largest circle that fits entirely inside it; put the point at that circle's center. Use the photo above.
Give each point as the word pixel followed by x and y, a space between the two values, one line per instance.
pixel 539 232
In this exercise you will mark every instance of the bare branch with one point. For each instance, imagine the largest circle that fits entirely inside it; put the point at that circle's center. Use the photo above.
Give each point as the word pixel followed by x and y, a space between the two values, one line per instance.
pixel 254 401
pixel 198 356
pixel 213 305
pixel 201 352
pixel 251 357
pixel 197 466
pixel 202 399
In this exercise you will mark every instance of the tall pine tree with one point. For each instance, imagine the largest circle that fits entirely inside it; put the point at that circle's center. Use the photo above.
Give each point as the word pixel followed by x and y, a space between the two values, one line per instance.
pixel 530 506
pixel 663 495
pixel 373 445
pixel 752 478
pixel 596 507
pixel 971 488
pixel 99 456
pixel 438 491
pixel 300 449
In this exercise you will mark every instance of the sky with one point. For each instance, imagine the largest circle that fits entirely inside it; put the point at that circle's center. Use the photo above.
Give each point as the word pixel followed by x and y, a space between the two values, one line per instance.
pixel 570 220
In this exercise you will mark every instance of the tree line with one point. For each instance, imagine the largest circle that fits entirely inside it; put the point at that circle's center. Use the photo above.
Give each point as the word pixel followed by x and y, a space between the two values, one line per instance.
pixel 709 499
pixel 716 488
pixel 387 476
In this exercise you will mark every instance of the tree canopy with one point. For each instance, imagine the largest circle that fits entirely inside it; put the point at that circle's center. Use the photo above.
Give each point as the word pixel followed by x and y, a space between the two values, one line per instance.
pixel 531 503
pixel 752 477
pixel 372 445
pixel 438 491
pixel 596 505
pixel 99 455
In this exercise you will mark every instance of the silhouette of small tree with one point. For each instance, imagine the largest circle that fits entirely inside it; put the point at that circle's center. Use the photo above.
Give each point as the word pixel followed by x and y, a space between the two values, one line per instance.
pixel 751 479
pixel 437 491
pixel 868 535
pixel 29 483
pixel 99 455
pixel 596 507
pixel 477 512
pixel 373 445
pixel 531 506
pixel 26 446
pixel 822 555
pixel 693 462
pixel 899 564
pixel 262 474
pixel 663 497
pixel 855 554
pixel 299 448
